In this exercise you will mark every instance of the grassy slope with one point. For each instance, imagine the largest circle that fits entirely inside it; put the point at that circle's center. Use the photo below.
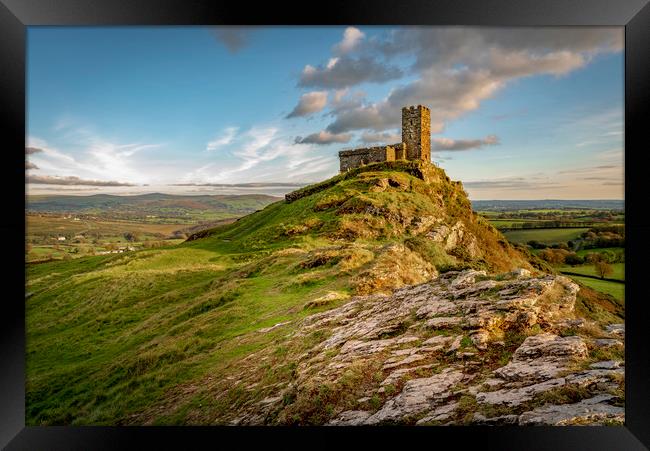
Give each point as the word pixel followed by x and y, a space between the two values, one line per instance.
pixel 546 236
pixel 618 274
pixel 127 339
pixel 612 288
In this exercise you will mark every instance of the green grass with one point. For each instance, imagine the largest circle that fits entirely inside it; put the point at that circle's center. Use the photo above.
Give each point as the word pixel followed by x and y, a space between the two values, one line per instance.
pixel 618 274
pixel 584 252
pixel 614 288
pixel 108 337
pixel 546 236
pixel 144 337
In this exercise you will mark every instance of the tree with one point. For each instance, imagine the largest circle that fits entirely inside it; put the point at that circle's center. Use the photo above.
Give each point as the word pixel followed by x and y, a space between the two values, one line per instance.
pixel 553 256
pixel 593 257
pixel 130 237
pixel 603 269
pixel 573 259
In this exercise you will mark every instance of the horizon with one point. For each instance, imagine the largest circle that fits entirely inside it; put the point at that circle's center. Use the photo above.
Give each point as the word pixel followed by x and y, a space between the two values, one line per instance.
pixel 178 110
pixel 281 196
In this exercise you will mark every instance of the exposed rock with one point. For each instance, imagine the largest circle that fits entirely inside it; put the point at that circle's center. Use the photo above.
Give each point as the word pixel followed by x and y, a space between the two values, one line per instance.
pixel 617 329
pixel 606 365
pixel 418 395
pixel 607 342
pixel 382 337
pixel 350 418
pixel 420 224
pixel 542 357
pixel 515 396
pixel 480 339
pixel 521 272
pixel 445 322
pixel 408 360
pixel 398 374
pixel 593 411
pixel 441 413
pixel 466 278
pixel 494 421
pixel 438 340
pixel 437 306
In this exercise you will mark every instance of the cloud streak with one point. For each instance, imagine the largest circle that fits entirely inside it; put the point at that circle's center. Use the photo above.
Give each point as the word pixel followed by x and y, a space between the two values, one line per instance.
pixel 71 180
pixel 226 138
pixel 323 138
pixel 463 144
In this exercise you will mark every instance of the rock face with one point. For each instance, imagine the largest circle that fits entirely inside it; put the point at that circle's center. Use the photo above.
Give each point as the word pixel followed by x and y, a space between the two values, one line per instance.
pixel 594 410
pixel 455 236
pixel 457 350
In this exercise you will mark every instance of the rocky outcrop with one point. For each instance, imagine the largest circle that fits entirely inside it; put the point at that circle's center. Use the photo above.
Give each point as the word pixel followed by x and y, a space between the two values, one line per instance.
pixel 437 347
pixel 596 410
pixel 456 237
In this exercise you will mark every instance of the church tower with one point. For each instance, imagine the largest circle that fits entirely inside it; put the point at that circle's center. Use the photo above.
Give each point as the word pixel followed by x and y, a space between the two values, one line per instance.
pixel 416 132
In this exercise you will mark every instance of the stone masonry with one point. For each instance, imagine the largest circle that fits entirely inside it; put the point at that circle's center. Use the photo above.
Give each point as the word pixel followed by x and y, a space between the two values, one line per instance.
pixel 415 145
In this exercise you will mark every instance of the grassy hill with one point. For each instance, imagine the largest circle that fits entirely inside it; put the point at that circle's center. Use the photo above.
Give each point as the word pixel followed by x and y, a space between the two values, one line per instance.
pixel 135 338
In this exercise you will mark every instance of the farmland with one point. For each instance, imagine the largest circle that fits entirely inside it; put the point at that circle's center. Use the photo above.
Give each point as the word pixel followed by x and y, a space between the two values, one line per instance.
pixel 568 235
pixel 546 236
pixel 65 227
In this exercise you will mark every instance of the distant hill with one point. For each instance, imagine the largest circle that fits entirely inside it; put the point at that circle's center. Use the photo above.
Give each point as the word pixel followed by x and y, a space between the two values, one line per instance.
pixel 153 206
pixel 550 204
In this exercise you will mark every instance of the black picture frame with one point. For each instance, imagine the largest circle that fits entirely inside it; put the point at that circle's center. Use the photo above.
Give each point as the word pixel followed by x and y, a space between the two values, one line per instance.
pixel 634 15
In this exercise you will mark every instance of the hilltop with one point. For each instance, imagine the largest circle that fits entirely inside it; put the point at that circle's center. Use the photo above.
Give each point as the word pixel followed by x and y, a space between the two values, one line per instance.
pixel 377 296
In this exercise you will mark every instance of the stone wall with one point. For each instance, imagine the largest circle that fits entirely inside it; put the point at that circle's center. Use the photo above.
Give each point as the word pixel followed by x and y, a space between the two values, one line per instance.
pixel 350 159
pixel 416 132
pixel 415 145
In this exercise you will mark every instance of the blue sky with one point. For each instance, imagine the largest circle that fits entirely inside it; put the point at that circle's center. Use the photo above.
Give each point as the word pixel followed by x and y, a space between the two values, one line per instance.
pixel 516 113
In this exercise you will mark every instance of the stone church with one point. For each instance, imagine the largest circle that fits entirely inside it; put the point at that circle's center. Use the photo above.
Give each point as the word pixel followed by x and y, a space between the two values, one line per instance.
pixel 415 145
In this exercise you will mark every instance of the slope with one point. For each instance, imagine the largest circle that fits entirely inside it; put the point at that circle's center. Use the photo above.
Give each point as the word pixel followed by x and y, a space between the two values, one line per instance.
pixel 137 338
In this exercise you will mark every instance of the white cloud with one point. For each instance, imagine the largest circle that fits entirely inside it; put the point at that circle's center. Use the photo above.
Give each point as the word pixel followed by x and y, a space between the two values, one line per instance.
pixel 223 140
pixel 347 71
pixel 309 103
pixel 351 38
pixel 454 69
pixel 96 159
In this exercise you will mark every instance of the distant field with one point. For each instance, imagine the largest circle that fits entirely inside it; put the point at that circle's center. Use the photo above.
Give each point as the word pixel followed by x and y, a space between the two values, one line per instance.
pixel 618 274
pixel 152 208
pixel 64 227
pixel 614 288
pixel 546 236
pixel 584 252
pixel 511 222
pixel 90 236
pixel 51 225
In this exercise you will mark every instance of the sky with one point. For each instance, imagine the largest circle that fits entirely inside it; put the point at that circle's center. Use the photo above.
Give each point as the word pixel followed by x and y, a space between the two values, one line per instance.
pixel 516 113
